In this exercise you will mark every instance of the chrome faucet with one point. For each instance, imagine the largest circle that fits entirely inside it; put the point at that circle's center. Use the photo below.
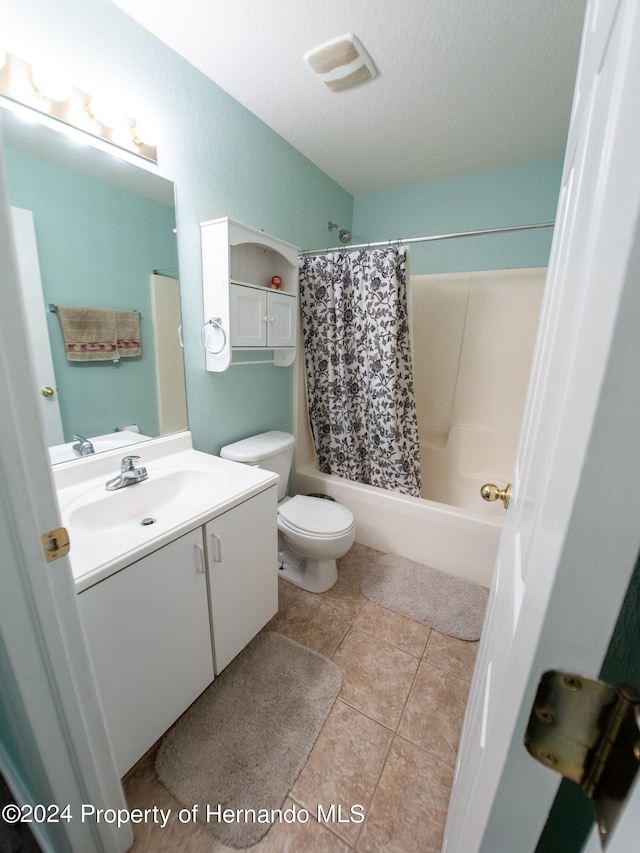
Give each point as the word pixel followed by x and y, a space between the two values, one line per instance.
pixel 128 475
pixel 82 446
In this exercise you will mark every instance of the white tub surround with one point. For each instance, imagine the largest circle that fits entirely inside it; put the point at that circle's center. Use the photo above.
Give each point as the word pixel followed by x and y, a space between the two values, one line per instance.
pixel 473 337
pixel 473 340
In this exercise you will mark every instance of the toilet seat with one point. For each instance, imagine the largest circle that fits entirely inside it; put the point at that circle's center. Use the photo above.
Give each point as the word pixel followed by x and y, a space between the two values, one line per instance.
pixel 315 516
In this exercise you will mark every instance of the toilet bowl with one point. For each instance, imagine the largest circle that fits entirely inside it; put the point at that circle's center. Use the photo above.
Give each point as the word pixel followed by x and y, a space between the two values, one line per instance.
pixel 312 533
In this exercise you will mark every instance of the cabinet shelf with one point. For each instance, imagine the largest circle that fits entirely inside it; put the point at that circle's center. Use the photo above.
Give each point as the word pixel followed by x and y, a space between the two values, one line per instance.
pixel 238 263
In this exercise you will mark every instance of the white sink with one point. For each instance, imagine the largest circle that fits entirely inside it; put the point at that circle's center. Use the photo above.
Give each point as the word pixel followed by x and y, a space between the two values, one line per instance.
pixel 163 498
pixel 184 489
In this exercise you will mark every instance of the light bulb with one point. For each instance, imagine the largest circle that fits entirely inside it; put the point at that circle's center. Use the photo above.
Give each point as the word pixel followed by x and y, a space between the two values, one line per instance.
pixel 106 112
pixel 51 83
pixel 145 132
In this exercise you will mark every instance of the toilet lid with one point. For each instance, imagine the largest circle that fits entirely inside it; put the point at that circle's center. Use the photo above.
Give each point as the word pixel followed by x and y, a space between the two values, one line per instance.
pixel 315 515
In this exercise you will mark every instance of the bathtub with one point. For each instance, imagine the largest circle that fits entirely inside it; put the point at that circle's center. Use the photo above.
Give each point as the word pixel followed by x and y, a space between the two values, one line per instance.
pixel 456 541
pixel 461 541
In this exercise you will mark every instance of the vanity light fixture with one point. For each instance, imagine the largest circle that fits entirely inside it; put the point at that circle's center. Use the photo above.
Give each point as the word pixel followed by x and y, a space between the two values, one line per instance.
pixel 48 93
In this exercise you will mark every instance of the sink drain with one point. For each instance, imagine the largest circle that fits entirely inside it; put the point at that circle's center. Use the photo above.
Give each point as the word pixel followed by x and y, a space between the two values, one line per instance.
pixel 147 521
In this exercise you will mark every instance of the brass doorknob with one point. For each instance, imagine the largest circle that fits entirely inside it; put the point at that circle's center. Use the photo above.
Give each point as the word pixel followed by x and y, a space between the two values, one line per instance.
pixel 492 493
pixel 47 391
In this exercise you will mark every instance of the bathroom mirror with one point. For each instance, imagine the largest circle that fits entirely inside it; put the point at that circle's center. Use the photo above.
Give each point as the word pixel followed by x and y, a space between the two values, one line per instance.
pixel 95 231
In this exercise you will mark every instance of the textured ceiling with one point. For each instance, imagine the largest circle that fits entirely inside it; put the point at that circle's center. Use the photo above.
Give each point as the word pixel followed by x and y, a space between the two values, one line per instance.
pixel 464 86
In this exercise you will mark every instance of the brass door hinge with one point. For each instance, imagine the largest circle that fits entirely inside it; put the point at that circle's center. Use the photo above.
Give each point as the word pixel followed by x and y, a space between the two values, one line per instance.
pixel 589 732
pixel 55 544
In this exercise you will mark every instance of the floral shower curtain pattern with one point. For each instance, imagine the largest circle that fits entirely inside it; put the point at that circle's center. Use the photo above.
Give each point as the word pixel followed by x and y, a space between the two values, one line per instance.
pixel 359 369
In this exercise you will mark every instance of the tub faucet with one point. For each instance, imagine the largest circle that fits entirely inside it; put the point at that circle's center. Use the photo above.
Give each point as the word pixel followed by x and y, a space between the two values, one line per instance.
pixel 128 475
pixel 82 446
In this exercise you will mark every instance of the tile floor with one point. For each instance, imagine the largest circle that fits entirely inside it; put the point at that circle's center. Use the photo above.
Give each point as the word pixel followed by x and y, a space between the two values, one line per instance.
pixel 389 744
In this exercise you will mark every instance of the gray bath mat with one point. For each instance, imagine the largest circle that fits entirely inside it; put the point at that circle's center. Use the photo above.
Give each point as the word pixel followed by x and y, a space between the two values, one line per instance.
pixel 450 605
pixel 242 744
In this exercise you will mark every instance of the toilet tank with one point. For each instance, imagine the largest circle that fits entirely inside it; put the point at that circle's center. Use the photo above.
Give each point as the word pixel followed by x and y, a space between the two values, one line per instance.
pixel 271 450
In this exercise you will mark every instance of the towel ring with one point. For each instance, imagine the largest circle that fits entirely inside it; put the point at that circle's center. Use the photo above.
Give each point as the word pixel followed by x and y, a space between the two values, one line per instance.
pixel 216 322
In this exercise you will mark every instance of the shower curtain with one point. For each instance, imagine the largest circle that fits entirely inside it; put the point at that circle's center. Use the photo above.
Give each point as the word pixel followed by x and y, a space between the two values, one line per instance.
pixel 358 367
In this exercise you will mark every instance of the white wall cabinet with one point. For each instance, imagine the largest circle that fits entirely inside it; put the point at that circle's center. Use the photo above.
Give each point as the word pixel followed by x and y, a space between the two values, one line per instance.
pixel 153 627
pixel 260 318
pixel 147 629
pixel 243 584
pixel 238 263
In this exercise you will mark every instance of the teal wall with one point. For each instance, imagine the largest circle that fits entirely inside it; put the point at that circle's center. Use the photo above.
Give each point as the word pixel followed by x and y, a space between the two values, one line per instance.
pixel 519 195
pixel 78 220
pixel 224 162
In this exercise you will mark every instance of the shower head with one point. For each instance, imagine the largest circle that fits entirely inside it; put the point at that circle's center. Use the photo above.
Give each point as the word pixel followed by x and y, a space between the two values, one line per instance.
pixel 344 235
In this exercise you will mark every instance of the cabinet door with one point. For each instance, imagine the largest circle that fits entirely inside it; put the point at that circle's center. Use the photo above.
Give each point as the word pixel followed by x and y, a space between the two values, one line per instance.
pixel 242 549
pixel 248 316
pixel 282 320
pixel 148 635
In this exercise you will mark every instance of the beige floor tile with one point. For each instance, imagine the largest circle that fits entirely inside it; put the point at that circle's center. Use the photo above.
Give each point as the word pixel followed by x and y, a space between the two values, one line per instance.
pixel 398 674
pixel 409 807
pixel 286 592
pixel 353 567
pixel 301 836
pixel 377 677
pixel 144 791
pixel 359 555
pixel 309 626
pixel 393 628
pixel 344 600
pixel 343 768
pixel 456 656
pixel 434 713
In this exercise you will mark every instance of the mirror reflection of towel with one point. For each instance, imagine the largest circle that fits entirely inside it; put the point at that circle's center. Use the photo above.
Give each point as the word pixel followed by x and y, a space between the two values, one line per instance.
pixel 99 334
pixel 128 333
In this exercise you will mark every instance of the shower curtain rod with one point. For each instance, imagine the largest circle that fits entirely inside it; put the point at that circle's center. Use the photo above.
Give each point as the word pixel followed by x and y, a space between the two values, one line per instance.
pixel 432 237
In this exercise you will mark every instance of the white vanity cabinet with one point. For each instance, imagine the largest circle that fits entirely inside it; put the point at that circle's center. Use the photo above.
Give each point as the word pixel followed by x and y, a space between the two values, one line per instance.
pixel 148 634
pixel 241 549
pixel 241 309
pixel 261 318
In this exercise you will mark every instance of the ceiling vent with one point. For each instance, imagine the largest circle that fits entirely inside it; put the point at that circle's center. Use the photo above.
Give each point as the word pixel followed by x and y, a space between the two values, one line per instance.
pixel 342 63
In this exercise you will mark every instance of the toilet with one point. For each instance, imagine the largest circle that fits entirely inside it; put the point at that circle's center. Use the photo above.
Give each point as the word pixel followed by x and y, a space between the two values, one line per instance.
pixel 312 532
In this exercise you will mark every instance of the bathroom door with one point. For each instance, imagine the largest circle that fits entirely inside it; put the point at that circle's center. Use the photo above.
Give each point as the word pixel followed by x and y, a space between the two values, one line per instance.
pixel 24 236
pixel 571 535
pixel 167 325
